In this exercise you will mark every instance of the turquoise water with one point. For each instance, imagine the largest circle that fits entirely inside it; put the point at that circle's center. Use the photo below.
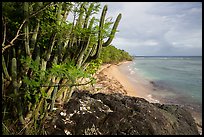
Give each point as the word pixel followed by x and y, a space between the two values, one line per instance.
pixel 181 76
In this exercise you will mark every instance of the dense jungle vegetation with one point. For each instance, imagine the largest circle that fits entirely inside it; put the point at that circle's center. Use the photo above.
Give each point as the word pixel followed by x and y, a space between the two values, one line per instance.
pixel 46 48
pixel 111 54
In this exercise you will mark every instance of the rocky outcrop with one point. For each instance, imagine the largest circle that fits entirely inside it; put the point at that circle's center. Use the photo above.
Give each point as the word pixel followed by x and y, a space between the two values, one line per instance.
pixel 116 114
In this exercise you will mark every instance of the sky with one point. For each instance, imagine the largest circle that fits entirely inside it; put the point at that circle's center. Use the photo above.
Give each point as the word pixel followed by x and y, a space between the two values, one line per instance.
pixel 158 28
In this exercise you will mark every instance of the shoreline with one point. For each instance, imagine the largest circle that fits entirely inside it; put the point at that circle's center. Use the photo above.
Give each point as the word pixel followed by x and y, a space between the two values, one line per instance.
pixel 112 71
pixel 111 76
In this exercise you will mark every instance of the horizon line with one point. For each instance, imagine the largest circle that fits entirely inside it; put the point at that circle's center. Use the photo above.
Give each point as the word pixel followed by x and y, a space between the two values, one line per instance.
pixel 167 56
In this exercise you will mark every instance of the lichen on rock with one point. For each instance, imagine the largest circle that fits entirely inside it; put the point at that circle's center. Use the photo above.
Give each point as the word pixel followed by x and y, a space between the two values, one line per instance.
pixel 117 114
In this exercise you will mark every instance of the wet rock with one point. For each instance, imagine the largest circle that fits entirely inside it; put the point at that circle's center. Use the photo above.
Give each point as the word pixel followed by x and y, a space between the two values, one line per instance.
pixel 116 114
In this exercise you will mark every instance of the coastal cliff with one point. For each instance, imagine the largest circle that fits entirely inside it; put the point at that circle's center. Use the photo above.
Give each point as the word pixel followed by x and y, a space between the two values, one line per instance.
pixel 118 114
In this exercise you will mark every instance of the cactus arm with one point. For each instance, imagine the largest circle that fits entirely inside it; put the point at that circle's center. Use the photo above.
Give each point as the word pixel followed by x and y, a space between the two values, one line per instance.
pixel 15 86
pixel 5 69
pixel 53 97
pixel 59 11
pixel 79 20
pixel 79 61
pixel 99 44
pixel 89 54
pixel 14 75
pixel 85 44
pixel 113 31
pixel 49 51
pixel 59 41
pixel 67 11
pixel 26 28
pixel 88 13
pixel 102 19
pixel 35 34
pixel 79 26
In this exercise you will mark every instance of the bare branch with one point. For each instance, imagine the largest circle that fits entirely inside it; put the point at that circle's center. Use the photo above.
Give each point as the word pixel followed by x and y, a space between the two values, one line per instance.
pixel 17 35
pixel 67 85
pixel 19 29
pixel 24 33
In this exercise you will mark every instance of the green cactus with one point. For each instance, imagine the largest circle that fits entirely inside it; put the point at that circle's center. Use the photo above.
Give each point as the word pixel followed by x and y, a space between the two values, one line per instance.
pixel 86 53
pixel 26 28
pixel 100 43
pixel 35 34
pixel 89 54
pixel 88 13
pixel 81 44
pixel 14 75
pixel 5 69
pixel 102 19
pixel 85 44
pixel 54 97
pixel 113 31
pixel 15 87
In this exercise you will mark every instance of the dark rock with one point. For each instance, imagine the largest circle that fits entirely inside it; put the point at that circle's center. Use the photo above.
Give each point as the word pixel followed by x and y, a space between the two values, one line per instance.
pixel 58 131
pixel 116 114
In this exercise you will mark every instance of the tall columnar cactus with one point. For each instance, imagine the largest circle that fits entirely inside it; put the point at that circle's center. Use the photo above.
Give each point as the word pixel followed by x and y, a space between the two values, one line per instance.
pixel 80 44
pixel 15 88
pixel 113 31
pixel 26 28
pixel 100 34
pixel 88 14
pixel 58 22
pixel 34 36
pixel 5 69
pixel 14 75
pixel 90 56
pixel 85 44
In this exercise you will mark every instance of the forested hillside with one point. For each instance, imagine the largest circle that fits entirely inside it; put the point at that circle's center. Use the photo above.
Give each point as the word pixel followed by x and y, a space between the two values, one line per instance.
pixel 111 54
pixel 46 48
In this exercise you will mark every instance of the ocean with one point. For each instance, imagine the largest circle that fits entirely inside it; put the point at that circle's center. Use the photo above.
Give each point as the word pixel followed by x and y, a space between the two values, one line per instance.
pixel 174 80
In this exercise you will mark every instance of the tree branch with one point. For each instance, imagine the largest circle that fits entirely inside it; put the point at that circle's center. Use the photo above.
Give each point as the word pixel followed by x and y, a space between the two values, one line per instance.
pixel 17 35
pixel 64 85
pixel 19 29
pixel 24 33
pixel 45 7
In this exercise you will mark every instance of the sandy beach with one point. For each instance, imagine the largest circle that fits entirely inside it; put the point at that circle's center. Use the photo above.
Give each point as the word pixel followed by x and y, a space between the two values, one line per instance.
pixel 114 78
pixel 110 79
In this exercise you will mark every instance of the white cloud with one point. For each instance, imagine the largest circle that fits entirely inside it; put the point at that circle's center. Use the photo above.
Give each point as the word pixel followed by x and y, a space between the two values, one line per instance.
pixel 164 27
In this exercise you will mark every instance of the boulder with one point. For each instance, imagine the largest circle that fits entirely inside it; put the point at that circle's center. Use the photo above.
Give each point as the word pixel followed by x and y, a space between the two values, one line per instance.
pixel 118 114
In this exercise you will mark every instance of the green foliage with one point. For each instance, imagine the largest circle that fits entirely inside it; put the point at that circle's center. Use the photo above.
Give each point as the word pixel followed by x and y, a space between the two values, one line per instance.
pixel 47 51
pixel 35 79
pixel 111 54
pixel 94 66
pixel 107 29
pixel 39 78
pixel 68 71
